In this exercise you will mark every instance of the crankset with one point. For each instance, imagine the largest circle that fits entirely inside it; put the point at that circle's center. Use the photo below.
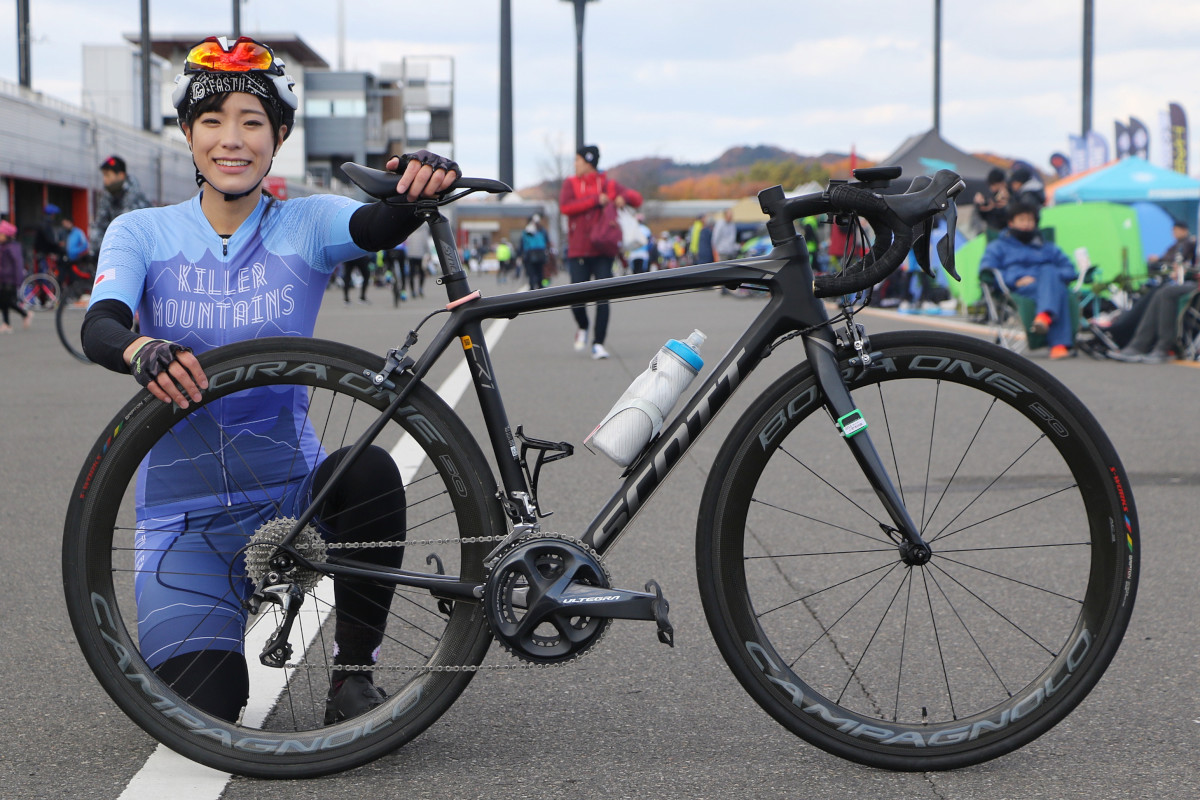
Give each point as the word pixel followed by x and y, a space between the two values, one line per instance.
pixel 549 599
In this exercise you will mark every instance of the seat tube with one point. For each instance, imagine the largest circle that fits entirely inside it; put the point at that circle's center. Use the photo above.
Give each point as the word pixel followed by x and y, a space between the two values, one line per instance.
pixel 821 349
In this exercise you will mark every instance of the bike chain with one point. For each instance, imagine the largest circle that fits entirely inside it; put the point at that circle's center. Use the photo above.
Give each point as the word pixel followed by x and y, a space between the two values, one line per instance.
pixel 452 668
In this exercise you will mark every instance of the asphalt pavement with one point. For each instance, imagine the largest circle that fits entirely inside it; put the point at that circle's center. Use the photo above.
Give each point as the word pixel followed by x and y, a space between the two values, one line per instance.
pixel 633 719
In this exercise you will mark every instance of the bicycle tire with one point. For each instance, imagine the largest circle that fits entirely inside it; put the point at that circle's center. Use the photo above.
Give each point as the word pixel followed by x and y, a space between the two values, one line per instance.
pixel 68 321
pixel 41 287
pixel 955 662
pixel 431 647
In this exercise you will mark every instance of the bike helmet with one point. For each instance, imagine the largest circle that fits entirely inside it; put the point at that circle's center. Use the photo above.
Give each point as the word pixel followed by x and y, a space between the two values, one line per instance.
pixel 213 67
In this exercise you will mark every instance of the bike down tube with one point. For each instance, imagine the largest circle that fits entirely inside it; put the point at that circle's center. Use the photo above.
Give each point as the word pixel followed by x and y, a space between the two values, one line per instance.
pixel 786 311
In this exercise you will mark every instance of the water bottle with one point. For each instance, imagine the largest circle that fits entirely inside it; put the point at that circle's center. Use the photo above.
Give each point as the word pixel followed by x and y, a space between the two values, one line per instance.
pixel 639 413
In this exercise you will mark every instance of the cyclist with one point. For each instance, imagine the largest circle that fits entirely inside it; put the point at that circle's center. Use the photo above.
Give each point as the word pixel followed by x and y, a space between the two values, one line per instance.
pixel 233 264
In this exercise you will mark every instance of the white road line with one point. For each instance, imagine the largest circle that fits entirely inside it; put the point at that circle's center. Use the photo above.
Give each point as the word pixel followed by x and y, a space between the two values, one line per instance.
pixel 168 774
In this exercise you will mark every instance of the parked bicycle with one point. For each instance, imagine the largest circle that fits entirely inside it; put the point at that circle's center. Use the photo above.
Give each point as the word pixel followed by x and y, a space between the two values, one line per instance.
pixel 915 550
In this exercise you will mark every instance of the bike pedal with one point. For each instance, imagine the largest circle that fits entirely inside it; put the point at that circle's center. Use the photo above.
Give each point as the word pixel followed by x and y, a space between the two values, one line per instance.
pixel 659 607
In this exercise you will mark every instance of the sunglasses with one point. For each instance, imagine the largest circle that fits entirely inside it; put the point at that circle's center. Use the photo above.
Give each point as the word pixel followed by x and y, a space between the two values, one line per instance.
pixel 245 55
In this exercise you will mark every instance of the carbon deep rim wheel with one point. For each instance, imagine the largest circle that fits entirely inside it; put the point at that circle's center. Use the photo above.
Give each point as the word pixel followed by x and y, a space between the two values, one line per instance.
pixel 992 642
pixel 450 494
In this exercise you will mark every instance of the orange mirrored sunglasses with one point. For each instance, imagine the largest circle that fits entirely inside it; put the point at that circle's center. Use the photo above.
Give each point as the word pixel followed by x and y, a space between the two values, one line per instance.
pixel 245 55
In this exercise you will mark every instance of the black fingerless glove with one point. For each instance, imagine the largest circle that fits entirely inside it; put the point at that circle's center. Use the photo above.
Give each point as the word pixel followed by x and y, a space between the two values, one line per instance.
pixel 153 358
pixel 428 159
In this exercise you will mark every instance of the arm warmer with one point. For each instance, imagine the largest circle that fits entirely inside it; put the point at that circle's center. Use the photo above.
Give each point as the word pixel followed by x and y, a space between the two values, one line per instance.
pixel 106 334
pixel 381 226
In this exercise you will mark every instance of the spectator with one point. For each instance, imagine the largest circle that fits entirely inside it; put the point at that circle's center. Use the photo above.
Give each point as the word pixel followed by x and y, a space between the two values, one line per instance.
pixel 639 256
pixel 992 204
pixel 1026 188
pixel 121 193
pixel 583 198
pixel 47 242
pixel 1154 337
pixel 1181 255
pixel 75 248
pixel 534 244
pixel 362 266
pixel 12 272
pixel 1038 270
pixel 724 237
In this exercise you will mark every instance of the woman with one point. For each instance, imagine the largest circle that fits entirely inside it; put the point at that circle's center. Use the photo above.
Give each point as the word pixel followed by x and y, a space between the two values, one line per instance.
pixel 12 272
pixel 233 264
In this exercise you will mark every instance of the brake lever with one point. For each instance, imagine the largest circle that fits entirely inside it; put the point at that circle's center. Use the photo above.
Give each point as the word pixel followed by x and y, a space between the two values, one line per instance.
pixel 921 246
pixel 945 248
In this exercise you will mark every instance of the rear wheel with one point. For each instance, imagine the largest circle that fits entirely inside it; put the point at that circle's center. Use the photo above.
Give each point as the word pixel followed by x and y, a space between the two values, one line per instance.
pixel 68 320
pixel 920 666
pixel 431 644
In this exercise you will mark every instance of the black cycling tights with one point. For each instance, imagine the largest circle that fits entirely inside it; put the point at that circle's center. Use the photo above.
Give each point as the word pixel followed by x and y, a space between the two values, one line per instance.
pixel 367 505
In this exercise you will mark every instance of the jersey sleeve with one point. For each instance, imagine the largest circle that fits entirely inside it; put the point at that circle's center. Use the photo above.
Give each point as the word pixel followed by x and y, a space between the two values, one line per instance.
pixel 123 263
pixel 321 225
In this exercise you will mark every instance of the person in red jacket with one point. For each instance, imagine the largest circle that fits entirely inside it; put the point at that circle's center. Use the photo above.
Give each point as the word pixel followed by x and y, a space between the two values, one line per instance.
pixel 590 253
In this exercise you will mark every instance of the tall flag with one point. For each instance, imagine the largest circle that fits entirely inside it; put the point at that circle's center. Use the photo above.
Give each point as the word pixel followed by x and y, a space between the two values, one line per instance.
pixel 1097 149
pixel 1077 147
pixel 1179 147
pixel 1162 150
pixel 1122 139
pixel 1139 139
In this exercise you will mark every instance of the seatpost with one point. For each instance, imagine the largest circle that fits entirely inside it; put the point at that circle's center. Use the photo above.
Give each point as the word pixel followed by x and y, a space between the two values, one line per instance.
pixel 454 277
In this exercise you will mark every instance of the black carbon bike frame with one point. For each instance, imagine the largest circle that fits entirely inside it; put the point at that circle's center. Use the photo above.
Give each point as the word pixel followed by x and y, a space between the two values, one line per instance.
pixel 793 307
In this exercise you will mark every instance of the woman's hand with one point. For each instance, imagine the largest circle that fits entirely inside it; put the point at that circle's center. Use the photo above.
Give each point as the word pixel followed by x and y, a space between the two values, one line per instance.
pixel 423 174
pixel 169 370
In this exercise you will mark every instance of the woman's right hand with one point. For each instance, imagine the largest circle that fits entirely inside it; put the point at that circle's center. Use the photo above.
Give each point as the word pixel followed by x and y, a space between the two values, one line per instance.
pixel 170 371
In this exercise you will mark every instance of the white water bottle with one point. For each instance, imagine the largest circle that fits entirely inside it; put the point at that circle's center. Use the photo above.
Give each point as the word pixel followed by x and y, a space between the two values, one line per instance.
pixel 639 413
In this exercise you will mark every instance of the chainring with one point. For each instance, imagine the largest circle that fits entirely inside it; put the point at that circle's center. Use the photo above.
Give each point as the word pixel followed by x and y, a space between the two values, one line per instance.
pixel 527 622
pixel 264 541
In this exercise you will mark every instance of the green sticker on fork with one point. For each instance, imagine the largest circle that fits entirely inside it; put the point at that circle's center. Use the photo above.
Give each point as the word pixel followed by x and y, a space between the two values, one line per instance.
pixel 852 423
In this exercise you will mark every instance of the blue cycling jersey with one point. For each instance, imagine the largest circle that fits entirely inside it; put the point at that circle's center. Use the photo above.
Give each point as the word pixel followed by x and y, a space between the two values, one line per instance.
pixel 192 285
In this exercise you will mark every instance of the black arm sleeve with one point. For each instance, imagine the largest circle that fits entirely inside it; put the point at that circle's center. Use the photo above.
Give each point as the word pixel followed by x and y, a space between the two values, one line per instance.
pixel 380 226
pixel 106 334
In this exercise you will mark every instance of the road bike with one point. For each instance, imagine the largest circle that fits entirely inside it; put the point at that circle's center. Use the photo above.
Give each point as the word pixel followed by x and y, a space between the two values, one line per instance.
pixel 915 550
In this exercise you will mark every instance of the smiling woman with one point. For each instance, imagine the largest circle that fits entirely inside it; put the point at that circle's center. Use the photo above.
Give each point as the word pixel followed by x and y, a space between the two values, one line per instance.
pixel 230 265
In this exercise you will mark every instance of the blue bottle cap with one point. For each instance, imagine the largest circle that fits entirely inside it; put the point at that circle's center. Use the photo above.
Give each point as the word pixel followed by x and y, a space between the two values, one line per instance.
pixel 690 356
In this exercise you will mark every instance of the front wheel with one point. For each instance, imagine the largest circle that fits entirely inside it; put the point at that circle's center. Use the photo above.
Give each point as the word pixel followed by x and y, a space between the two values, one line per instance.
pixel 261 395
pixel 920 666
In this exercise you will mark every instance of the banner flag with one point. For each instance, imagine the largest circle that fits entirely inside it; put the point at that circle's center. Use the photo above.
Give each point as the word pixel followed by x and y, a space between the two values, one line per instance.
pixel 1179 144
pixel 1121 139
pixel 1097 148
pixel 1077 147
pixel 1139 139
pixel 1162 150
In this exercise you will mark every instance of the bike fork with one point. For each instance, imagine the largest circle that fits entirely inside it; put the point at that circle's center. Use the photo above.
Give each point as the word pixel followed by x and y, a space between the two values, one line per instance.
pixel 821 349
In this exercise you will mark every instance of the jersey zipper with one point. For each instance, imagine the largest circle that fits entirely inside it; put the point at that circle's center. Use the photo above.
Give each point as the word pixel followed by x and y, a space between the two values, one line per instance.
pixel 225 245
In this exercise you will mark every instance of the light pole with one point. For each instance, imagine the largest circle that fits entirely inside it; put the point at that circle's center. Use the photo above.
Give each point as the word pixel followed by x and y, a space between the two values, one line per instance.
pixel 579 5
pixel 506 95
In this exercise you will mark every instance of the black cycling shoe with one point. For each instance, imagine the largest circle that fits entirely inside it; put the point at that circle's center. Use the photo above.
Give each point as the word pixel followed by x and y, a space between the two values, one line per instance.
pixel 353 696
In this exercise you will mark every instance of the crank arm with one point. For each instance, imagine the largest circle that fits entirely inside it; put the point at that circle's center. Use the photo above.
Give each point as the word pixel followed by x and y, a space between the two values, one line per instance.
pixel 595 601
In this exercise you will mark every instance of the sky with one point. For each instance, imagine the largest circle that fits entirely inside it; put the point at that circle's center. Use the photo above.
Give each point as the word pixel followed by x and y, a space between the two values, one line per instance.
pixel 688 79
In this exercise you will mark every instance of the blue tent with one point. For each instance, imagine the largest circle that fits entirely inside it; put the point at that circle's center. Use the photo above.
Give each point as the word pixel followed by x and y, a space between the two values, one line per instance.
pixel 1135 180
pixel 1154 225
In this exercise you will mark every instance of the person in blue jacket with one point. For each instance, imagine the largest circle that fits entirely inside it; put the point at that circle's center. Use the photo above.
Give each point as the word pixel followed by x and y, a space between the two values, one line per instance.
pixel 230 265
pixel 1037 269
